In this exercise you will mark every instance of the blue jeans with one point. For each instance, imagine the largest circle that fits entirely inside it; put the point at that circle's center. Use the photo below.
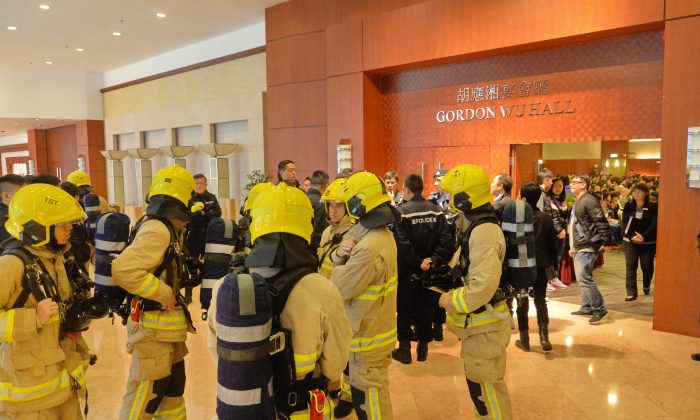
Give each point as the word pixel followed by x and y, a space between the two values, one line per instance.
pixel 591 298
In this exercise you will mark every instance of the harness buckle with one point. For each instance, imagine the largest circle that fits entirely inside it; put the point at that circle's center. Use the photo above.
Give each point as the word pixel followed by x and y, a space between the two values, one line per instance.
pixel 279 341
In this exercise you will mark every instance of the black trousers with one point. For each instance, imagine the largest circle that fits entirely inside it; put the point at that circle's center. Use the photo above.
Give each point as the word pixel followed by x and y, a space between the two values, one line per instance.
pixel 415 305
pixel 639 254
pixel 540 289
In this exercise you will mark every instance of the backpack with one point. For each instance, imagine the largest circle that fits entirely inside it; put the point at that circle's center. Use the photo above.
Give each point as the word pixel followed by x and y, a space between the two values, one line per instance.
pixel 221 238
pixel 256 355
pixel 517 225
pixel 78 310
pixel 111 236
pixel 91 205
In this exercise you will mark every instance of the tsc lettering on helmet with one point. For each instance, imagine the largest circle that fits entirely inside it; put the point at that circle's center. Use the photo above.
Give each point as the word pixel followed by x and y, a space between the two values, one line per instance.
pixel 169 180
pixel 51 201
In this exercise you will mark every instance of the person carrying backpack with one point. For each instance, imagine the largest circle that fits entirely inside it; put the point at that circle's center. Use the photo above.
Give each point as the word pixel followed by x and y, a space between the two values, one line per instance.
pixel 43 357
pixel 477 312
pixel 151 268
pixel 365 272
pixel 260 374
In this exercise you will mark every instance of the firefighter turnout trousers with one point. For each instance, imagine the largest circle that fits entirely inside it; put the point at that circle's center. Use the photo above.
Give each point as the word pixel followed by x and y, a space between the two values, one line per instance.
pixel 369 385
pixel 68 410
pixel 156 381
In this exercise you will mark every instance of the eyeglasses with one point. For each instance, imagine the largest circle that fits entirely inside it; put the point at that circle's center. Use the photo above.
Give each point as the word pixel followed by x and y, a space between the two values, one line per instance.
pixel 577 182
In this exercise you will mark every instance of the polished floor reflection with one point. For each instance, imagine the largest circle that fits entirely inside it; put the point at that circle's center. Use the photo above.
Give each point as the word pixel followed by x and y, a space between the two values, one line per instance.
pixel 618 370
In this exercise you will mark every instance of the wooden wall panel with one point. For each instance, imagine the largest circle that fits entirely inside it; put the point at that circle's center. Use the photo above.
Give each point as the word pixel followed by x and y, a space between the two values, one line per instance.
pixel 525 158
pixel 649 167
pixel 570 166
pixel 375 153
pixel 607 148
pixel 298 58
pixel 306 146
pixel 344 48
pixel 62 150
pixel 296 104
pixel 37 149
pixel 90 141
pixel 682 8
pixel 677 296
pixel 442 29
pixel 344 101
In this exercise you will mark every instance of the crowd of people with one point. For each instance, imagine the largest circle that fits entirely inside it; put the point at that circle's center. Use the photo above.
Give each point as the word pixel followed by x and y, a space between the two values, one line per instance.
pixel 344 270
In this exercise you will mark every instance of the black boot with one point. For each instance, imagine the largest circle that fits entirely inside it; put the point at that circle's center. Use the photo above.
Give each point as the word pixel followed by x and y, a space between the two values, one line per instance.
pixel 544 338
pixel 524 342
pixel 402 353
pixel 437 332
pixel 343 409
pixel 422 351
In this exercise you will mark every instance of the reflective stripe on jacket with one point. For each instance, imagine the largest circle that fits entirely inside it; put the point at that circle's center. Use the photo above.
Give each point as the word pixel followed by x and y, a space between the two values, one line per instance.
pixel 35 367
pixel 367 283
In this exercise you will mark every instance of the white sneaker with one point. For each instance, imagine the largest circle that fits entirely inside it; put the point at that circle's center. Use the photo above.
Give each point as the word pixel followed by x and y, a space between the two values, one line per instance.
pixel 551 288
pixel 558 284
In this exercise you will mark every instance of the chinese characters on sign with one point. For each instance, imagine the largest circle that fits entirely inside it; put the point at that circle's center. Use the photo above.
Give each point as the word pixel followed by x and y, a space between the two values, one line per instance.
pixel 504 91
pixel 530 107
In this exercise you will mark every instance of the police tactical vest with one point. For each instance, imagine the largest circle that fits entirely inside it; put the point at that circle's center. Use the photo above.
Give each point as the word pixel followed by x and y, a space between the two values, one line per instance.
pixel 517 225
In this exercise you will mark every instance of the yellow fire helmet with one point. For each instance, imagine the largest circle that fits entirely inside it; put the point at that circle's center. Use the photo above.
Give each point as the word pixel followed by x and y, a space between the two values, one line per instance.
pixel 174 181
pixel 335 192
pixel 282 209
pixel 79 178
pixel 469 187
pixel 254 193
pixel 35 208
pixel 363 192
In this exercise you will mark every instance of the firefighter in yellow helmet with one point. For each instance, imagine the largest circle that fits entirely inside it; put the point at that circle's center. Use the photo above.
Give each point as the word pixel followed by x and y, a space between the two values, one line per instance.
pixel 365 273
pixel 281 231
pixel 84 184
pixel 43 358
pixel 340 224
pixel 152 269
pixel 477 311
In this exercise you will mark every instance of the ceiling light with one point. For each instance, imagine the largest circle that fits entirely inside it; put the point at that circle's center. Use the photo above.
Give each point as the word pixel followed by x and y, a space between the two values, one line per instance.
pixel 44 6
pixel 161 15
pixel 36 119
pixel 117 33
pixel 79 49
pixel 11 28
pixel 48 62
pixel 643 140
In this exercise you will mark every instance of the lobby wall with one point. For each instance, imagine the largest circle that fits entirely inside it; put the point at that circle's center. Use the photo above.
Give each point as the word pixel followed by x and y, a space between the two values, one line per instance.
pixel 219 103
pixel 327 58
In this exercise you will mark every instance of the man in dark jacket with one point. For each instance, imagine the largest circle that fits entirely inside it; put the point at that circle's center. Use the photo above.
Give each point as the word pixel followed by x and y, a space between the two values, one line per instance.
pixel 423 240
pixel 589 230
pixel 195 233
pixel 319 183
pixel 500 189
pixel 9 184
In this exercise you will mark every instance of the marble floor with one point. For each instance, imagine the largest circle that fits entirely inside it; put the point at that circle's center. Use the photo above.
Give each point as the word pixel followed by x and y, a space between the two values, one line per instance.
pixel 618 370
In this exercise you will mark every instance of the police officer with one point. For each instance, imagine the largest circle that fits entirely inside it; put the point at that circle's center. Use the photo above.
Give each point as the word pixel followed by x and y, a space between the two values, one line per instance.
pixel 42 363
pixel 476 312
pixel 332 198
pixel 365 274
pixel 281 231
pixel 195 232
pixel 423 240
pixel 150 268
pixel 439 196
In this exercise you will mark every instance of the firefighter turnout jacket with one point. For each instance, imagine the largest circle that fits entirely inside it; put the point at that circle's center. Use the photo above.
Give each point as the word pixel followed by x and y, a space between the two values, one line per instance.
pixel 330 239
pixel 367 283
pixel 37 369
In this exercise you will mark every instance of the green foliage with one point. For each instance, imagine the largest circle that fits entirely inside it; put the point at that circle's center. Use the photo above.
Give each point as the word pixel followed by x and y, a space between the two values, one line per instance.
pixel 255 177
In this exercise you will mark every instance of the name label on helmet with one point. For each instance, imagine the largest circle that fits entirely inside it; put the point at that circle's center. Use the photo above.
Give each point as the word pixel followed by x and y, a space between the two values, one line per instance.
pixel 170 180
pixel 51 201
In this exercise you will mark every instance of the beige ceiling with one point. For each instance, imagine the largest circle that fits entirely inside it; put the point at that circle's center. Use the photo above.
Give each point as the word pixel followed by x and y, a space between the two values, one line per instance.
pixel 54 34
pixel 15 126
